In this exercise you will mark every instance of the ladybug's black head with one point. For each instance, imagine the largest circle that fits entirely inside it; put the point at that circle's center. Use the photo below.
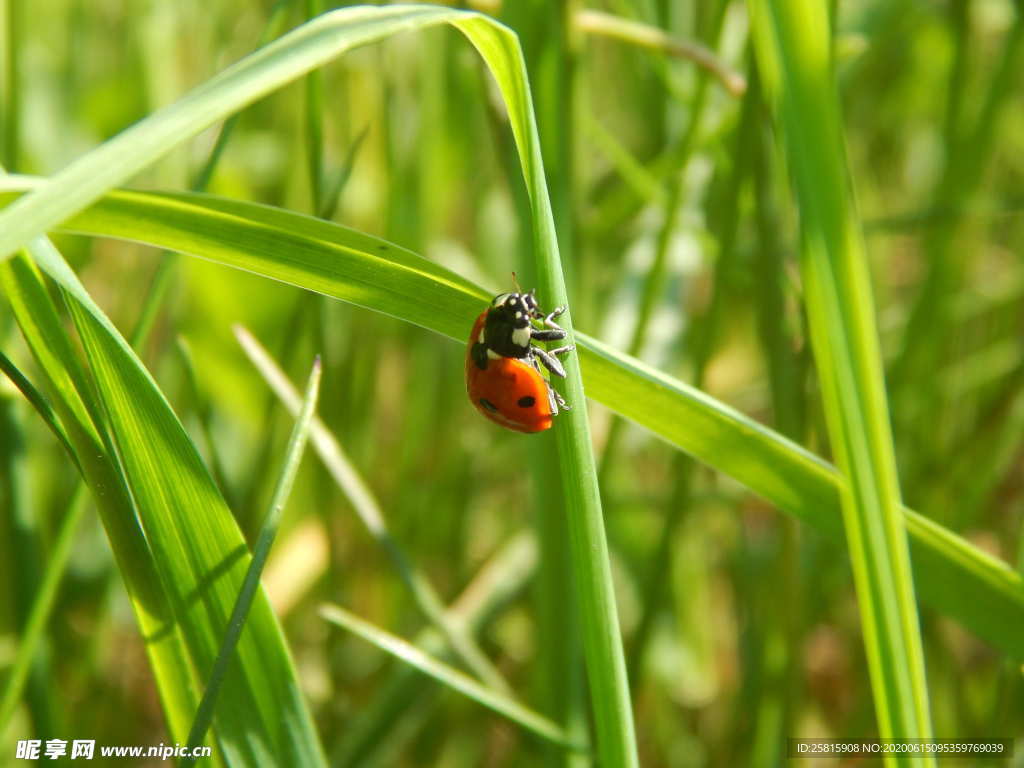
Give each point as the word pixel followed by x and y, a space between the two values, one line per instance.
pixel 517 308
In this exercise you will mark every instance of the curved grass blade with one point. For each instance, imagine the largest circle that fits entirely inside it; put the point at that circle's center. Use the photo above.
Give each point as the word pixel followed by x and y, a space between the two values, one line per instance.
pixel 262 72
pixel 952 575
pixel 428 665
pixel 268 532
pixel 656 39
pixel 196 549
pixel 71 397
pixel 61 551
pixel 41 405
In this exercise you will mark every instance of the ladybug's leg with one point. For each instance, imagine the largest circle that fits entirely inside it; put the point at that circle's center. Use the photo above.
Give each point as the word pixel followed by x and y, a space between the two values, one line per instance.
pixel 552 335
pixel 551 362
pixel 561 400
pixel 553 332
pixel 556 401
pixel 549 321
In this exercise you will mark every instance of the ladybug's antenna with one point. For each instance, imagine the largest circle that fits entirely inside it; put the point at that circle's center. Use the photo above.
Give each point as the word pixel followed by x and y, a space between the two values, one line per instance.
pixel 516 283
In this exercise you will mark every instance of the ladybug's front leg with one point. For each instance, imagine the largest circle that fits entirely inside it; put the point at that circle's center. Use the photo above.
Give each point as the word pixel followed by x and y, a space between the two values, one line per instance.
pixel 554 335
pixel 555 332
pixel 549 321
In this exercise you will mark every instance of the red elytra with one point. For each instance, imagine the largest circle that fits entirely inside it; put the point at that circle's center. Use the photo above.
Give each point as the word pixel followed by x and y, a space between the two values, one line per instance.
pixel 508 391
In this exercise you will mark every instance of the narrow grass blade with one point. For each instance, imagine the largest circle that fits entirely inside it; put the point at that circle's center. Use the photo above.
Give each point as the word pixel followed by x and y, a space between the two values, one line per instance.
pixel 161 281
pixel 656 39
pixel 36 399
pixel 366 507
pixel 282 61
pixel 13 38
pixel 22 525
pixel 369 272
pixel 493 588
pixel 450 677
pixel 701 339
pixel 203 413
pixel 275 19
pixel 268 532
pixel 602 639
pixel 552 49
pixel 793 43
pixel 46 596
pixel 332 192
pixel 314 83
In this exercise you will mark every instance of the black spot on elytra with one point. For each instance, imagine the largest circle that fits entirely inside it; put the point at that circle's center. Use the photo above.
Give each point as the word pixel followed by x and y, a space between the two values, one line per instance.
pixel 526 402
pixel 488 405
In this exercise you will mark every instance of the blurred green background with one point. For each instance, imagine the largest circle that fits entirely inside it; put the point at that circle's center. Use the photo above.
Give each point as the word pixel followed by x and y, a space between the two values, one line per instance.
pixel 680 241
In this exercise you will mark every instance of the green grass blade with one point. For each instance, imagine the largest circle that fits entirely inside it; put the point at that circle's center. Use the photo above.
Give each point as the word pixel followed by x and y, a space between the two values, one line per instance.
pixel 61 550
pixel 12 35
pixel 333 190
pixel 793 45
pixel 268 532
pixel 66 385
pixel 46 596
pixel 655 39
pixel 314 83
pixel 369 512
pixel 272 29
pixel 378 275
pixel 450 677
pixel 494 586
pixel 36 399
pixel 602 640
pixel 203 410
pixel 547 35
pixel 23 526
pixel 282 61
pixel 196 547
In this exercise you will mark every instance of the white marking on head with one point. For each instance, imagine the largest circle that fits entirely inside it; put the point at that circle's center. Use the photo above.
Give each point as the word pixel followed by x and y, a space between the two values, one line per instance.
pixel 519 315
pixel 493 355
pixel 501 299
pixel 480 338
pixel 521 336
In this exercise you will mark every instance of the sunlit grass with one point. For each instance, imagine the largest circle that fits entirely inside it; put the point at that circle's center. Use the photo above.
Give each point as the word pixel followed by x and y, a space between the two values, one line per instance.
pixel 684 180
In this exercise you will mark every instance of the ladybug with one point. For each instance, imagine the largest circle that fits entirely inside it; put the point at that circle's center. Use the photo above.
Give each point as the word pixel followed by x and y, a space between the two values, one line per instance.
pixel 503 375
